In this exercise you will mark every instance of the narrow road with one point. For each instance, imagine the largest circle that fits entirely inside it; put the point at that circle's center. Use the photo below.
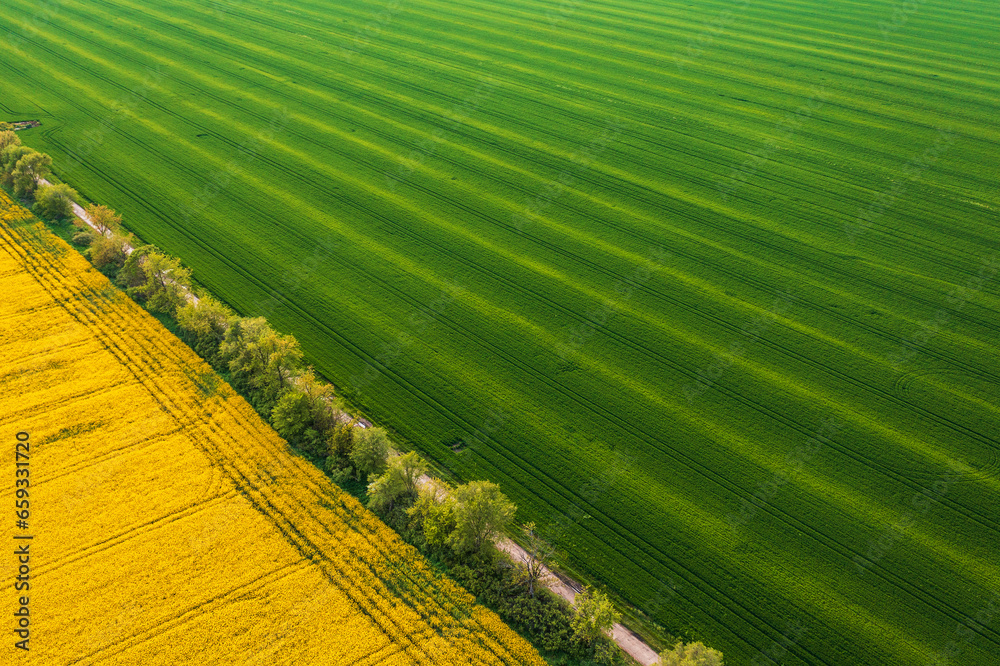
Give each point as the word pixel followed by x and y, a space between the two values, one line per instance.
pixel 561 585
pixel 567 588
pixel 82 214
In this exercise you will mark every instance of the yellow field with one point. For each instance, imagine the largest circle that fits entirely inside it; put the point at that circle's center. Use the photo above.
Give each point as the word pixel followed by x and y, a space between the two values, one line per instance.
pixel 170 524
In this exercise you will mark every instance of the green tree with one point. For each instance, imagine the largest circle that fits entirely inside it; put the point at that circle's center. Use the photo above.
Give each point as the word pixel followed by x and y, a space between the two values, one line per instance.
pixel 385 489
pixel 104 219
pixel 691 654
pixel 324 408
pixel 204 324
pixel 409 467
pixel 262 362
pixel 371 449
pixel 434 511
pixel 8 138
pixel 29 169
pixel 594 614
pixel 400 479
pixel 305 413
pixel 482 514
pixel 131 275
pixel 110 250
pixel 291 418
pixel 55 201
pixel 166 283
pixel 340 441
pixel 9 158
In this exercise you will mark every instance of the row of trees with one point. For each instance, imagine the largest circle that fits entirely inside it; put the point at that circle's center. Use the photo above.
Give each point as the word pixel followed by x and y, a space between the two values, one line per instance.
pixel 458 525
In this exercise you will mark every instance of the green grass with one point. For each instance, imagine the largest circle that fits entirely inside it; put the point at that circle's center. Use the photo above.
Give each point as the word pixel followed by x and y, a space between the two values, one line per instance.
pixel 608 255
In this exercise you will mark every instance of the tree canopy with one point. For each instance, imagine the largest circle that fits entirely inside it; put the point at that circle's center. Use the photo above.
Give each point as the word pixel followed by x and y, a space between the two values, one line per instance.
pixel 104 219
pixel 56 201
pixel 691 654
pixel 482 514
pixel 371 449
pixel 29 169
pixel 595 614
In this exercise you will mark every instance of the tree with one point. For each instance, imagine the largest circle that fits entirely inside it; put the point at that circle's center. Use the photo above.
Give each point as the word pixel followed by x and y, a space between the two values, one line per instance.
pixel 482 513
pixel 305 413
pixel 8 138
pixel 104 219
pixel 4 126
pixel 324 408
pixel 410 467
pixel 9 158
pixel 28 170
pixel 166 283
pixel 434 511
pixel 109 250
pixel 56 201
pixel 535 558
pixel 595 614
pixel 691 654
pixel 262 362
pixel 205 324
pixel 371 448
pixel 340 441
pixel 385 489
pixel 131 276
pixel 291 418
pixel 400 479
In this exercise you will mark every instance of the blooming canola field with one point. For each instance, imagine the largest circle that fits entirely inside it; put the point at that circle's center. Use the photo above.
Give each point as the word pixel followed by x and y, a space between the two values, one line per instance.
pixel 710 289
pixel 168 523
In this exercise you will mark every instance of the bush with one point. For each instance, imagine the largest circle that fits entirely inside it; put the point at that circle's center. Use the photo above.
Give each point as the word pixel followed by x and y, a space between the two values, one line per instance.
pixel 545 618
pixel 371 449
pixel 691 654
pixel 204 325
pixel 108 253
pixel 8 138
pixel 55 202
pixel 83 238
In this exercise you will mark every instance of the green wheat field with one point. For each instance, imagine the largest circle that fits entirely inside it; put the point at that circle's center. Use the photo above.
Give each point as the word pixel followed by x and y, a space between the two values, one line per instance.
pixel 711 289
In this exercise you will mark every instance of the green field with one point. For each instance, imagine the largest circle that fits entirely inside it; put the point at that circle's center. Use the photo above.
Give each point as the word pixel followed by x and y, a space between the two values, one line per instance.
pixel 711 289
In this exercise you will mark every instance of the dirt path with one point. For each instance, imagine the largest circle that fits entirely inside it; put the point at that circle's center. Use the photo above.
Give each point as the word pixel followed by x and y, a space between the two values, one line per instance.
pixel 82 214
pixel 567 588
pixel 561 585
